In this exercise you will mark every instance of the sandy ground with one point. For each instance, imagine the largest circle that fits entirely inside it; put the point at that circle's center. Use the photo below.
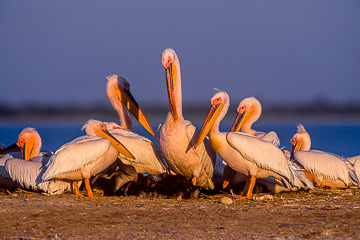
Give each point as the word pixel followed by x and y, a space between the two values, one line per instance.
pixel 318 214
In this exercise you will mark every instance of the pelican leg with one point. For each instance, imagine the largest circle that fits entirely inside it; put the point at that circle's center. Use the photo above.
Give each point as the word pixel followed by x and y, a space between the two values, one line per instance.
pixel 251 187
pixel 77 191
pixel 89 191
pixel 248 188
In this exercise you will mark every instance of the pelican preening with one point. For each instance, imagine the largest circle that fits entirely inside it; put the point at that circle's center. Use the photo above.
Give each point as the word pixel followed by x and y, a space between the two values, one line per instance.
pixel 322 168
pixel 177 136
pixel 25 170
pixel 85 156
pixel 246 153
pixel 148 158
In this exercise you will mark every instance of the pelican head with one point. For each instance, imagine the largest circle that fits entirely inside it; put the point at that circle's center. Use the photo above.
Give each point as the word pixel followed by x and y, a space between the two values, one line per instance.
pixel 29 141
pixel 112 125
pixel 219 105
pixel 97 128
pixel 171 64
pixel 249 108
pixel 118 91
pixel 300 141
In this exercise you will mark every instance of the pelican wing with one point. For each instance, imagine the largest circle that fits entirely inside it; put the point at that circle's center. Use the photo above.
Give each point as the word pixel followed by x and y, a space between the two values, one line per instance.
pixel 271 137
pixel 204 152
pixel 354 159
pixel 327 165
pixel 25 172
pixel 158 131
pixel 3 160
pixel 267 156
pixel 28 174
pixel 264 154
pixel 75 155
pixel 146 152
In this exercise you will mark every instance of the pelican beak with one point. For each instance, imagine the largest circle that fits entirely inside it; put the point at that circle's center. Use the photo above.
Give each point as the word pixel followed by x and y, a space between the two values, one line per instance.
pixel 130 103
pixel 295 147
pixel 118 145
pixel 170 83
pixel 240 119
pixel 12 148
pixel 209 122
pixel 238 122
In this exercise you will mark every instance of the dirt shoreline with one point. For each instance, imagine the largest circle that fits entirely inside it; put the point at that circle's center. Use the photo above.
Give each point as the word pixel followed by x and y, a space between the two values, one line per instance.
pixel 318 214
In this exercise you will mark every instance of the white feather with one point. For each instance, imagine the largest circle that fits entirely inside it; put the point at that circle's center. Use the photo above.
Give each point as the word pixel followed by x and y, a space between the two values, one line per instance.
pixel 266 156
pixel 75 155
pixel 327 165
pixel 148 157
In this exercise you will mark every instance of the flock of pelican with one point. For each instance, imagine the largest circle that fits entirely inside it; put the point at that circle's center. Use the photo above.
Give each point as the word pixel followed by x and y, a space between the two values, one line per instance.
pixel 240 156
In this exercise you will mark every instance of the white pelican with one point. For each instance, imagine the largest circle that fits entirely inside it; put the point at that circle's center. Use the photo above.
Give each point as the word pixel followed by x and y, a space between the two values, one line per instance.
pixel 26 170
pixel 177 136
pixel 118 92
pixel 322 168
pixel 148 158
pixel 246 153
pixel 248 112
pixel 85 156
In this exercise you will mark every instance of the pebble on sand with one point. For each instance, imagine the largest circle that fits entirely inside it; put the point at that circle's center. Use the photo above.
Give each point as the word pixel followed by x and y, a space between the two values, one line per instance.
pixel 226 200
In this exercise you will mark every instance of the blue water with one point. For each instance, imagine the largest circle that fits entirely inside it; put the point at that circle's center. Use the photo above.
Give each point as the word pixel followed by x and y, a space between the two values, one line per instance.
pixel 341 139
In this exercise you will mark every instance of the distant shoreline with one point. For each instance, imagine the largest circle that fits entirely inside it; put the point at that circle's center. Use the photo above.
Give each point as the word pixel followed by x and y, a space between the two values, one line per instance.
pixel 198 116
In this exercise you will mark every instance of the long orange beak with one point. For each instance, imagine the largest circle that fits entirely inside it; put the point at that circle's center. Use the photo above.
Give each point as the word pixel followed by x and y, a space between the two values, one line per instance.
pixel 12 148
pixel 238 122
pixel 170 85
pixel 118 145
pixel 27 149
pixel 240 119
pixel 295 147
pixel 209 122
pixel 130 103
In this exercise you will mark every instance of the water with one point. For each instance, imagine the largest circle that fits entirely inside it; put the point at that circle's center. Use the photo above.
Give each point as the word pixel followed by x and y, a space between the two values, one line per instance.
pixel 341 139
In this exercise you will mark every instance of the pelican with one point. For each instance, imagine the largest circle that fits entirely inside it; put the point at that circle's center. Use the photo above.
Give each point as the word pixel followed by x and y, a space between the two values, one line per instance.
pixel 85 156
pixel 148 157
pixel 322 168
pixel 246 153
pixel 26 169
pixel 248 112
pixel 177 136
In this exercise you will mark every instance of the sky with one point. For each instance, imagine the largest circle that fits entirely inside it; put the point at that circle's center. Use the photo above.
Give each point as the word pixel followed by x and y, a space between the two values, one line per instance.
pixel 295 52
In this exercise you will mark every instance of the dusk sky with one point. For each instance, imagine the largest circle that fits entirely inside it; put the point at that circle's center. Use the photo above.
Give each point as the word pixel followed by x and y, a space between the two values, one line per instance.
pixel 278 51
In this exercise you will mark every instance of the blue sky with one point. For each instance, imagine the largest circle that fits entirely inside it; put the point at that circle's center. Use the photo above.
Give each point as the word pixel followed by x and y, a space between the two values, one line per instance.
pixel 296 52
